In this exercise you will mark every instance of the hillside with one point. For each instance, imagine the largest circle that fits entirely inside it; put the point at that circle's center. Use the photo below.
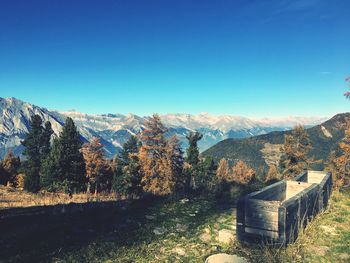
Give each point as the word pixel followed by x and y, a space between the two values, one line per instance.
pixel 186 230
pixel 261 150
pixel 115 129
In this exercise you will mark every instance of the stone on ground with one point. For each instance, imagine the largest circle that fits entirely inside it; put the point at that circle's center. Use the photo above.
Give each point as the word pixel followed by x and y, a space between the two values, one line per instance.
pixel 159 230
pixel 180 251
pixel 226 236
pixel 225 258
pixel 181 228
pixel 185 200
pixel 205 237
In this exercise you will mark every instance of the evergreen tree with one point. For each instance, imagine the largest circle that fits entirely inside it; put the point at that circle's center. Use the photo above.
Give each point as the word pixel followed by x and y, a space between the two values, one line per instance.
pixel 51 173
pixel 71 159
pixel 11 165
pixel 127 178
pixel 32 151
pixel 296 149
pixel 192 152
pixel 3 175
pixel 65 166
pixel 121 183
pixel 206 179
pixel 46 140
pixel 175 161
pixel 129 147
pixel 192 159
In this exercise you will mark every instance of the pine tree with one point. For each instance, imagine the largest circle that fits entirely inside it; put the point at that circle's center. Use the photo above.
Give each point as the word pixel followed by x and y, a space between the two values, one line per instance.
pixel 46 140
pixel 296 149
pixel 64 169
pixel 192 169
pixel 192 152
pixel 32 151
pixel 242 173
pixel 175 161
pixel 206 179
pixel 51 171
pixel 11 165
pixel 96 166
pixel 127 178
pixel 157 177
pixel 71 160
pixel 3 175
pixel 129 147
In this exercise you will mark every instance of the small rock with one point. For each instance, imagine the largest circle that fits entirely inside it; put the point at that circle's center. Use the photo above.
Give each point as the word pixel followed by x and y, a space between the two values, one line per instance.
pixel 192 214
pixel 328 230
pixel 205 237
pixel 180 251
pixel 159 230
pixel 181 228
pixel 221 220
pixel 149 217
pixel 232 227
pixel 207 230
pixel 319 250
pixel 226 236
pixel 185 200
pixel 225 258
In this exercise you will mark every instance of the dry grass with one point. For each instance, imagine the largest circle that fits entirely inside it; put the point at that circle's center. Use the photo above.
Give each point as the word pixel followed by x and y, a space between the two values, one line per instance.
pixel 13 197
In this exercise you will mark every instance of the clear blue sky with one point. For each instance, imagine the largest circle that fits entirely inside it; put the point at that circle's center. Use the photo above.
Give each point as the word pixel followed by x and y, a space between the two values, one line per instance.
pixel 250 58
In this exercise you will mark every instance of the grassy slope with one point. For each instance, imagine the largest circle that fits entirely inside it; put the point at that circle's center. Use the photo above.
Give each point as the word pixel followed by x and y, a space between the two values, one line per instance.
pixel 326 238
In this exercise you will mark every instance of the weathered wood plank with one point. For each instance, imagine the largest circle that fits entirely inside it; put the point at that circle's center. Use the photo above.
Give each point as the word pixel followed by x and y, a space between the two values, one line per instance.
pixel 274 192
pixel 262 232
pixel 261 204
pixel 261 224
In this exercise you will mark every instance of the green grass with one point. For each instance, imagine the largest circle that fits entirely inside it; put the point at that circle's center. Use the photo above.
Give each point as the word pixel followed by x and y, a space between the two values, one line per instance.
pixel 325 239
pixel 191 231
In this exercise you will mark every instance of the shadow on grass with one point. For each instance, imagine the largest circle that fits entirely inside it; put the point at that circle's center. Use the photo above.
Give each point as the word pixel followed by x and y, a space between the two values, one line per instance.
pixel 38 234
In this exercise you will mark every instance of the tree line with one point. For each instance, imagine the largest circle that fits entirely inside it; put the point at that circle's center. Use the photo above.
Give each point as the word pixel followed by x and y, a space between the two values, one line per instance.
pixel 150 163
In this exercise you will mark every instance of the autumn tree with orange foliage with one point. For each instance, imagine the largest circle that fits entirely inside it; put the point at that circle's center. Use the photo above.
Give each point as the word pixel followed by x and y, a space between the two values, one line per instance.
pixel 242 173
pixel 223 171
pixel 272 174
pixel 96 166
pixel 10 166
pixel 296 148
pixel 340 165
pixel 159 158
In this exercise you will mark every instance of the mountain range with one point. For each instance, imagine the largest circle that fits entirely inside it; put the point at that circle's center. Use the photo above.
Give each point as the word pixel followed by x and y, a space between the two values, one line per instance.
pixel 262 151
pixel 115 129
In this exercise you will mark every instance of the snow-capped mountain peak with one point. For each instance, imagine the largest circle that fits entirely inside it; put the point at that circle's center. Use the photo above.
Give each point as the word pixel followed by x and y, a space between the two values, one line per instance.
pixel 115 129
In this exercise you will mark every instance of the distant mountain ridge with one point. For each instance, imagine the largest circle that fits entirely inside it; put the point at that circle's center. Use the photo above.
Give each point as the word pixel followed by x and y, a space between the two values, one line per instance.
pixel 115 129
pixel 263 150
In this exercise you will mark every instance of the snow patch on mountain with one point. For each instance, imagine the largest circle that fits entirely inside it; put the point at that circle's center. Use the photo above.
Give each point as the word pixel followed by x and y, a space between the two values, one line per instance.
pixel 115 129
